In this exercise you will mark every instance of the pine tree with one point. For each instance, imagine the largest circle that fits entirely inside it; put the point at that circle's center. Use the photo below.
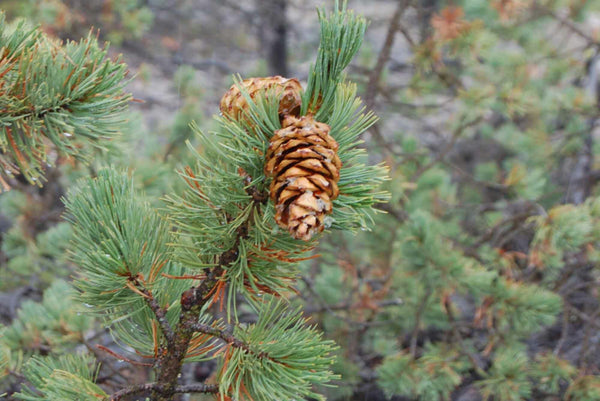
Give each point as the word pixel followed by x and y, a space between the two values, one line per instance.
pixel 155 276
pixel 481 281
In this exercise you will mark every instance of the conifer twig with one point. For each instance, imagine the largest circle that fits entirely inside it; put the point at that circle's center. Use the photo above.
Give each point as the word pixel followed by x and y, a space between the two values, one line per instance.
pixel 461 342
pixel 347 306
pixel 384 54
pixel 146 387
pixel 197 388
pixel 120 357
pixel 574 28
pixel 161 315
pixel 192 302
pixel 51 94
pixel 222 334
pixel 382 59
pixel 132 390
pixel 564 330
pixel 418 316
pixel 458 131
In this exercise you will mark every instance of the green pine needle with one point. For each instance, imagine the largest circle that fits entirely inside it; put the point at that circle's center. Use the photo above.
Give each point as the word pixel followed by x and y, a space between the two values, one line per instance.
pixel 120 244
pixel 68 377
pixel 217 209
pixel 70 96
pixel 342 33
pixel 56 321
pixel 286 358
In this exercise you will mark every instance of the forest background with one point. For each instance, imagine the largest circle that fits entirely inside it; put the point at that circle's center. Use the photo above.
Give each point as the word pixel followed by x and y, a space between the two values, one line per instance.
pixel 480 282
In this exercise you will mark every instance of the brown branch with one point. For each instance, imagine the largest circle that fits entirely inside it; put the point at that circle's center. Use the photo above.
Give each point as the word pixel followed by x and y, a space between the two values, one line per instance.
pixel 148 387
pixel 315 295
pixel 382 60
pixel 574 28
pixel 229 339
pixel 398 214
pixel 345 306
pixel 121 357
pixel 133 390
pixel 564 330
pixel 192 301
pixel 161 315
pixel 418 317
pixel 492 233
pixel 461 342
pixel 591 320
pixel 102 359
pixel 197 388
pixel 384 54
pixel 222 334
pixel 441 155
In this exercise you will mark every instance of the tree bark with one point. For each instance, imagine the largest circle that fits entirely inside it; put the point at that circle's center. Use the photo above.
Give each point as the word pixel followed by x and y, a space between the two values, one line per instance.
pixel 274 36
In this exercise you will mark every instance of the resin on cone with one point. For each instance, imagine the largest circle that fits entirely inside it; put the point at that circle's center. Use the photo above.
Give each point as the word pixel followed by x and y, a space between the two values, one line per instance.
pixel 302 159
pixel 234 104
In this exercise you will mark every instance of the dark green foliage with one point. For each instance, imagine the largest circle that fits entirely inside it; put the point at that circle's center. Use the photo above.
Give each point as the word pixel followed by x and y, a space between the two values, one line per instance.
pixel 401 374
pixel 508 379
pixel 491 245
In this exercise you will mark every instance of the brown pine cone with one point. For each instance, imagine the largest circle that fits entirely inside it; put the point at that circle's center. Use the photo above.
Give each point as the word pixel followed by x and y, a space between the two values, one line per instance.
pixel 234 104
pixel 302 159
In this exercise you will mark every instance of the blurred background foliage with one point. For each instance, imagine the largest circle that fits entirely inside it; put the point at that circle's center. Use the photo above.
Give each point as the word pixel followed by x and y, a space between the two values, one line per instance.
pixel 481 280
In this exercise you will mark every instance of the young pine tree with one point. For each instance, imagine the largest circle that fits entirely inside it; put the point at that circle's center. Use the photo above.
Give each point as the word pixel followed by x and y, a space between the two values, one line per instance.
pixel 174 285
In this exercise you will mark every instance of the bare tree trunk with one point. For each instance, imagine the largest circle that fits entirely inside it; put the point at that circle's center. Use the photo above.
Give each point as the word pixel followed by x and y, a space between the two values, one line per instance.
pixel 274 35
pixel 426 9
pixel 580 183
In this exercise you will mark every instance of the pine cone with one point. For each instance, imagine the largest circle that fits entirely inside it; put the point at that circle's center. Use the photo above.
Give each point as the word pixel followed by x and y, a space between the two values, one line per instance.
pixel 302 159
pixel 234 104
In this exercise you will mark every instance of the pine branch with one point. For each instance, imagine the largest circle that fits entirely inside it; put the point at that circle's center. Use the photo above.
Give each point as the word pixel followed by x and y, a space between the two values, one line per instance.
pixel 591 41
pixel 382 59
pixel 197 297
pixel 226 231
pixel 384 55
pixel 161 315
pixel 282 346
pixel 192 302
pixel 222 334
pixel 66 377
pixel 197 388
pixel 128 392
pixel 68 98
pixel 456 134
pixel 418 316
pixel 475 361
pixel 342 33
pixel 347 306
